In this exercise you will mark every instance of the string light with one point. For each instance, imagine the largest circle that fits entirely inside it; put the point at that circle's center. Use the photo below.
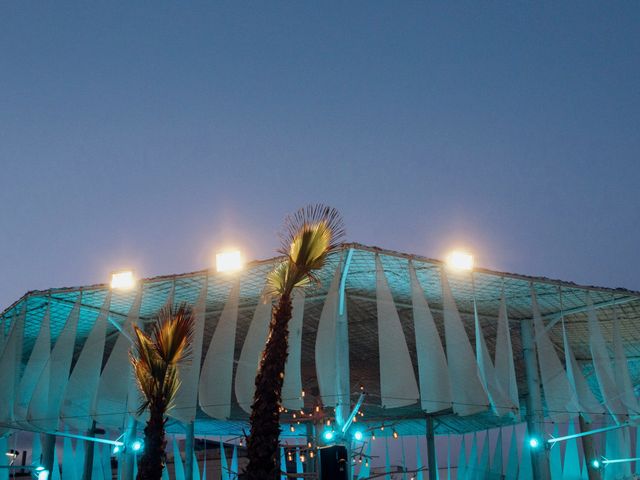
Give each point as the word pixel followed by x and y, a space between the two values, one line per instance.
pixel 373 435
pixel 302 393
pixel 308 444
pixel 302 458
pixel 328 423
pixel 311 454
pixel 317 408
pixel 395 434
pixel 292 428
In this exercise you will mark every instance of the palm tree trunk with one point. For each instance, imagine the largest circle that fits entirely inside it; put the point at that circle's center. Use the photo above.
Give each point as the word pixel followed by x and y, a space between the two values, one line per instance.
pixel 263 446
pixel 153 460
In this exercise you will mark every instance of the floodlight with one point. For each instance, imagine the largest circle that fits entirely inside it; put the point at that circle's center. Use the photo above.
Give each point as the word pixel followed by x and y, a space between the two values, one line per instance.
pixel 459 260
pixel 358 435
pixel 123 280
pixel 534 442
pixel 328 435
pixel 595 463
pixel 230 261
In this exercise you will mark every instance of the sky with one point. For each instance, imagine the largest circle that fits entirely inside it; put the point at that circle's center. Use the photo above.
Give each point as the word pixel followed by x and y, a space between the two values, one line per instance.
pixel 153 134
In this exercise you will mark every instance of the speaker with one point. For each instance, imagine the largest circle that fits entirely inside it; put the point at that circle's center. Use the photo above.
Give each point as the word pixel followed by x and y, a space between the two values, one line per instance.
pixel 334 464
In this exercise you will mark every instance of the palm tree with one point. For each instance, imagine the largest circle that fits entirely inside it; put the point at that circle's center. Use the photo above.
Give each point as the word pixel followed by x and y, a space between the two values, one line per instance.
pixel 155 359
pixel 309 235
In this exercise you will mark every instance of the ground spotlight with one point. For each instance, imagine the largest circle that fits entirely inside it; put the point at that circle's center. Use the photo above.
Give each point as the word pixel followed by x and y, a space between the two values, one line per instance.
pixel 137 445
pixel 328 435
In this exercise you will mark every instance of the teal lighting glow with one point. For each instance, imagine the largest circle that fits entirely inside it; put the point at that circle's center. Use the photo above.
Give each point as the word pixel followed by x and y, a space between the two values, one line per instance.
pixel 39 468
pixel 534 442
pixel 606 461
pixel 136 445
pixel 116 449
pixel 584 434
pixel 358 435
pixel 328 435
pixel 595 463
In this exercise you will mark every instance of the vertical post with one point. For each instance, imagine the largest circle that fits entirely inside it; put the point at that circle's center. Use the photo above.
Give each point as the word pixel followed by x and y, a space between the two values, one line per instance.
pixel 539 456
pixel 188 451
pixel 431 449
pixel 48 451
pixel 589 450
pixel 88 453
pixel 311 438
pixel 129 456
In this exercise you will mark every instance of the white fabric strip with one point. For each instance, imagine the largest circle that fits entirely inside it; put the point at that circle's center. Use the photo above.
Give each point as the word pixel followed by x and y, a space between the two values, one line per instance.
pixel 9 369
pixel 621 370
pixel 467 392
pixel 292 386
pixel 80 395
pixel 187 398
pixel 251 353
pixel 37 360
pixel 559 396
pixel 217 367
pixel 44 407
pixel 505 369
pixel 116 381
pixel 589 404
pixel 435 391
pixel 398 385
pixel 602 366
pixel 326 343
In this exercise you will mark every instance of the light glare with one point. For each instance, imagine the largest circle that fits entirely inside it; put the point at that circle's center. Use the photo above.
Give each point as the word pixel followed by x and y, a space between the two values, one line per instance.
pixel 230 261
pixel 358 435
pixel 459 260
pixel 123 280
pixel 328 435
pixel 533 442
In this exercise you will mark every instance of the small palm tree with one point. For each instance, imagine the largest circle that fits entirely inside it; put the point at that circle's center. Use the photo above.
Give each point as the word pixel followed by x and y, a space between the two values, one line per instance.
pixel 155 359
pixel 309 235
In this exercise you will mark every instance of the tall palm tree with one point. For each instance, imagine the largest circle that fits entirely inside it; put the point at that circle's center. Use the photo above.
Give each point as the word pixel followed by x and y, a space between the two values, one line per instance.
pixel 309 235
pixel 155 359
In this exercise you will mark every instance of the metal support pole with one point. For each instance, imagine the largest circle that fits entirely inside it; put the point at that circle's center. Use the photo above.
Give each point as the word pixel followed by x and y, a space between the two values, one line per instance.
pixel 129 456
pixel 539 456
pixel 589 450
pixel 188 451
pixel 48 451
pixel 431 449
pixel 88 454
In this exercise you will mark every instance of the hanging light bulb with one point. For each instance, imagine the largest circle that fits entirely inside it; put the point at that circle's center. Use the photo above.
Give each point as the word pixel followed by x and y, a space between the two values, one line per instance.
pixel 366 463
pixel 302 457
pixel 308 444
pixel 373 435
pixel 292 428
pixel 395 434
pixel 311 454
pixel 382 428
pixel 328 423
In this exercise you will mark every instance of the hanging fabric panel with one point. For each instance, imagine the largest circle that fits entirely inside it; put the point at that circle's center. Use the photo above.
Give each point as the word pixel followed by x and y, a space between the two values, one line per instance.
pixel 472 461
pixel 419 466
pixel 621 371
pixel 500 402
pixel 80 396
pixel 398 386
pixel 602 366
pixel 4 460
pixel 512 460
pixel 234 463
pixel 196 468
pixel 497 461
pixel 68 460
pixel 177 461
pixel 387 460
pixel 251 353
pixel 10 361
pixel 79 456
pixel 38 359
pixel 467 392
pixel 116 381
pixel 483 468
pixel 96 471
pixel 505 370
pixel 461 470
pixel 292 385
pixel 299 466
pixel 44 407
pixel 589 405
pixel 555 458
pixel 217 367
pixel 55 474
pixel 571 464
pixel 187 398
pixel 525 471
pixel 435 391
pixel 559 396
pixel 327 343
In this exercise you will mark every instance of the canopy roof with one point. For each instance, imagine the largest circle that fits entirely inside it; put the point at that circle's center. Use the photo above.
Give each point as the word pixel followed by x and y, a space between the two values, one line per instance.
pixel 555 298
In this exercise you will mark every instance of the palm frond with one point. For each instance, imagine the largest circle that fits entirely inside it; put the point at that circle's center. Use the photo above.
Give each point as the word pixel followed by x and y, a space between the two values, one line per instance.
pixel 308 237
pixel 155 358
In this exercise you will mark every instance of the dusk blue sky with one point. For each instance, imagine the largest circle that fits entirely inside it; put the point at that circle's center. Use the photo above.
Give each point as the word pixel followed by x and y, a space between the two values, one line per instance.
pixel 151 134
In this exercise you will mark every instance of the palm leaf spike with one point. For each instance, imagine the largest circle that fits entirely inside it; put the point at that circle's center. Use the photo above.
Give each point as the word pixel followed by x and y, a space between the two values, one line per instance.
pixel 308 237
pixel 155 359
